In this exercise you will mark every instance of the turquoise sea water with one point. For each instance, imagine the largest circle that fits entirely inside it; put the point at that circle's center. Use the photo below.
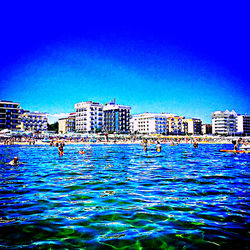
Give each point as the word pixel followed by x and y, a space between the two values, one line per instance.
pixel 118 197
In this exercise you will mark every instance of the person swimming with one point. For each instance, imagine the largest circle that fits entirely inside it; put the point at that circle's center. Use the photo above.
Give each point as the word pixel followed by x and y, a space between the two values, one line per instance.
pixel 14 161
pixel 81 152
pixel 195 144
pixel 173 143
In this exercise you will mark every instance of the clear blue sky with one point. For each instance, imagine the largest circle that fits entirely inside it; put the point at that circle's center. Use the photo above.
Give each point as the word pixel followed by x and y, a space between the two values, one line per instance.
pixel 185 59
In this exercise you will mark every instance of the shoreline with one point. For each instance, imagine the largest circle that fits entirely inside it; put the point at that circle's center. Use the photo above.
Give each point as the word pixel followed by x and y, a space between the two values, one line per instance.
pixel 40 143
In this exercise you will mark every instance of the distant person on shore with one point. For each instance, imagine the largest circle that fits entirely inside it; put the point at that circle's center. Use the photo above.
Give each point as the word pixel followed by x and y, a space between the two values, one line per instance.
pixel 14 161
pixel 158 147
pixel 60 150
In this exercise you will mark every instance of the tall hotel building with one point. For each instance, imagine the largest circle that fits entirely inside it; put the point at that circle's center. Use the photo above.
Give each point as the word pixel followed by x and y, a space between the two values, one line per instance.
pixel 150 123
pixel 9 115
pixel 88 116
pixel 176 125
pixel 71 122
pixel 206 129
pixel 116 118
pixel 224 122
pixel 192 126
pixel 34 121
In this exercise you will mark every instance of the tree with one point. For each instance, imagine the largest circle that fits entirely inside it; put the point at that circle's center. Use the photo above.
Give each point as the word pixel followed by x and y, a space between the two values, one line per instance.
pixel 53 127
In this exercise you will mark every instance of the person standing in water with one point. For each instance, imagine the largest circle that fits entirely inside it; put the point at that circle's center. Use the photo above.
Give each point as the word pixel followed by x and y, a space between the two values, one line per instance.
pixel 158 147
pixel 195 144
pixel 60 150
pixel 145 145
pixel 237 144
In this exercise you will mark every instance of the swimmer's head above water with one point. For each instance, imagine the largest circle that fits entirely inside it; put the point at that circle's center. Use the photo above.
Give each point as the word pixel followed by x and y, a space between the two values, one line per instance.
pixel 14 161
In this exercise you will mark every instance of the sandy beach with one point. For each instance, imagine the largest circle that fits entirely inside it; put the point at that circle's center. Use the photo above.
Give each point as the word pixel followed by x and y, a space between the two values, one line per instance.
pixel 108 143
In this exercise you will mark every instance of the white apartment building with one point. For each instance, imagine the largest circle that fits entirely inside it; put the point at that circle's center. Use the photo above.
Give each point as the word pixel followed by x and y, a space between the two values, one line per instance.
pixel 243 124
pixel 116 118
pixel 224 122
pixel 193 126
pixel 150 123
pixel 88 116
pixel 34 121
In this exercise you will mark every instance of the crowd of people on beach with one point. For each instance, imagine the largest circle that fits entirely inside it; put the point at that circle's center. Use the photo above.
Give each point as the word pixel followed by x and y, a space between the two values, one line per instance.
pixel 173 140
pixel 14 140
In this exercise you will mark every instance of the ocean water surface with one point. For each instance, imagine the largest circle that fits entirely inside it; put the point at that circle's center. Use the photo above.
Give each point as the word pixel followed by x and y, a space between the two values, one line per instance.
pixel 119 197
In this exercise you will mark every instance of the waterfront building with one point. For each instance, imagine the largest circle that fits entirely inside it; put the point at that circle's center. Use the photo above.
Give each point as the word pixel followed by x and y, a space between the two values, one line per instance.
pixel 116 118
pixel 150 123
pixel 62 125
pixel 34 121
pixel 224 122
pixel 71 122
pixel 88 116
pixel 243 124
pixel 66 125
pixel 134 128
pixel 206 129
pixel 176 125
pixel 192 126
pixel 9 115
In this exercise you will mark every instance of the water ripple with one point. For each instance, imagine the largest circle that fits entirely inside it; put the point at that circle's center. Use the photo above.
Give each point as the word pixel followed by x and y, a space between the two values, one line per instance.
pixel 117 196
